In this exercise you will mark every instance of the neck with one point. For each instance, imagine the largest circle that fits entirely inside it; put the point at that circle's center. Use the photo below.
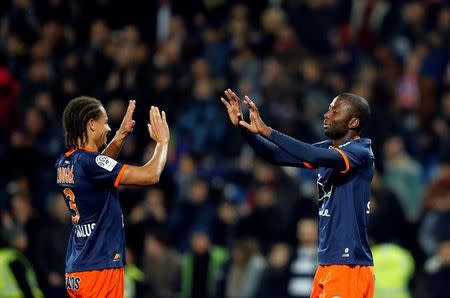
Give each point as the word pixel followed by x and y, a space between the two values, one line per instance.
pixel 348 137
pixel 89 144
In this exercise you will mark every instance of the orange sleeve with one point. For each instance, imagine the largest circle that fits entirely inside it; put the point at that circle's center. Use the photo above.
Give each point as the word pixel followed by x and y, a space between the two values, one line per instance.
pixel 119 176
pixel 346 160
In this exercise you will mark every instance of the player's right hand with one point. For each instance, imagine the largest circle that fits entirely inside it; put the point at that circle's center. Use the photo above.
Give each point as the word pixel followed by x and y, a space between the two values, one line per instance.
pixel 158 128
pixel 233 105
pixel 256 124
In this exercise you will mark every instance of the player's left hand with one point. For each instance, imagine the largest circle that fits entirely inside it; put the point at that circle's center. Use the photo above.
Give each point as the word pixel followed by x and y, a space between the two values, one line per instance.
pixel 127 125
pixel 256 124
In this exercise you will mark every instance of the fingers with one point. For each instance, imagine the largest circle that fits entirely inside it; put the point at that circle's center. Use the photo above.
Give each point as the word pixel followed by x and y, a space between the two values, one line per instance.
pixel 234 97
pixel 130 109
pixel 155 117
pixel 225 103
pixel 245 124
pixel 228 95
pixel 164 119
pixel 250 104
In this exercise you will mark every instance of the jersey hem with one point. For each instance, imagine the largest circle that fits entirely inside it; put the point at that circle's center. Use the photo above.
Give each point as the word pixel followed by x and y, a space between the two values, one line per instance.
pixel 92 268
pixel 346 263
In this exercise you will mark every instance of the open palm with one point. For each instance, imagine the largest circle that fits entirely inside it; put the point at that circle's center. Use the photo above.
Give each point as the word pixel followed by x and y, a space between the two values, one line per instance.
pixel 233 105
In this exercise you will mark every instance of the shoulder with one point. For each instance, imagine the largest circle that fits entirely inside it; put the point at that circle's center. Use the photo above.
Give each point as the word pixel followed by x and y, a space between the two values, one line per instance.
pixel 362 145
pixel 323 144
pixel 359 150
pixel 60 160
pixel 95 159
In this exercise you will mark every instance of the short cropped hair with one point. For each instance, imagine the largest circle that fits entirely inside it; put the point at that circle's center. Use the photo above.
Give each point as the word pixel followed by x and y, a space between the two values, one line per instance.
pixel 361 108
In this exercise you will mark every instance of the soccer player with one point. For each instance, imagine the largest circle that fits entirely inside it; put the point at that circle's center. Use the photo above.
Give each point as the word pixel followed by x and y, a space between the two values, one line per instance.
pixel 89 180
pixel 345 166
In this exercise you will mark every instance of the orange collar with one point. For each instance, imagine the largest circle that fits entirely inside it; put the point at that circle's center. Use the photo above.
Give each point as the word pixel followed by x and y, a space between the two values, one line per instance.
pixel 86 148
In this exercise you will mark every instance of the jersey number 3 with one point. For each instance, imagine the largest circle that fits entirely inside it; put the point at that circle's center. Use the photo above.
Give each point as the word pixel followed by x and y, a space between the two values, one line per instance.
pixel 72 205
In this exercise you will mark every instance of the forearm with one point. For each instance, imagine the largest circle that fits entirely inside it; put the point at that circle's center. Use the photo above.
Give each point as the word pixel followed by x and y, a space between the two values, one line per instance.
pixel 269 151
pixel 156 164
pixel 113 148
pixel 149 173
pixel 318 157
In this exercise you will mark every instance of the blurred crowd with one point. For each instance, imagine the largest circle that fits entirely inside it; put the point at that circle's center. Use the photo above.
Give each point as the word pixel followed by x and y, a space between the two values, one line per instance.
pixel 221 222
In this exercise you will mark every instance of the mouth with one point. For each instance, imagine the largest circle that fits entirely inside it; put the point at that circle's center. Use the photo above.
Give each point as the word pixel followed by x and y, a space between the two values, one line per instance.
pixel 326 125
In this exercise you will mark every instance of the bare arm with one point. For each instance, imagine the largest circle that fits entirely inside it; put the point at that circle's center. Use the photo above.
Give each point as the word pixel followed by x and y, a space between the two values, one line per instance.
pixel 151 172
pixel 126 127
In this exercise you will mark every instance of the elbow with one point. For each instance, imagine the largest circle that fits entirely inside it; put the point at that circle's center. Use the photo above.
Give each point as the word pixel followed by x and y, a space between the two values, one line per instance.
pixel 312 160
pixel 153 179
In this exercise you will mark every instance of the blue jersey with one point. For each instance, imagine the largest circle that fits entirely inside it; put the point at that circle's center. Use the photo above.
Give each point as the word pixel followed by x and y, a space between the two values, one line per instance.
pixel 344 205
pixel 89 181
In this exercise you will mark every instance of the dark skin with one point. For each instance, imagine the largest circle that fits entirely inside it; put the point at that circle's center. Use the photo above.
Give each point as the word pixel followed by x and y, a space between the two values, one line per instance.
pixel 339 122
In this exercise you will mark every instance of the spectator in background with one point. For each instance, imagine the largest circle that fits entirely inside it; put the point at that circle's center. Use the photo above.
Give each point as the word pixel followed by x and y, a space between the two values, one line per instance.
pixel 225 225
pixel 201 126
pixel 18 276
pixel 436 213
pixel 437 268
pixel 390 236
pixel 193 210
pixel 23 218
pixel 200 266
pixel 146 215
pixel 403 175
pixel 241 276
pixel 161 266
pixel 303 263
pixel 274 282
pixel 53 237
pixel 394 267
pixel 9 89
pixel 133 277
pixel 264 221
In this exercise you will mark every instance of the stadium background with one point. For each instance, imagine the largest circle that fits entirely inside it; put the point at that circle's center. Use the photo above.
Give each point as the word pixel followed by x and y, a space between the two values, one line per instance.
pixel 257 222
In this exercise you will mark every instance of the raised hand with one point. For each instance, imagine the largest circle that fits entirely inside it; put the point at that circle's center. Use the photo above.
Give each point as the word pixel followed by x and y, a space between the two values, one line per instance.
pixel 158 128
pixel 256 124
pixel 127 125
pixel 233 105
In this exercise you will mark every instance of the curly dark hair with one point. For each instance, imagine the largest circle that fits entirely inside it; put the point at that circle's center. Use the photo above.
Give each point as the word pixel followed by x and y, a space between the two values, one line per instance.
pixel 75 117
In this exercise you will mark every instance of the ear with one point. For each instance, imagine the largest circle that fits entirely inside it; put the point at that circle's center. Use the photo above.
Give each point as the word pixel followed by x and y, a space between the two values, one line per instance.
pixel 353 123
pixel 91 125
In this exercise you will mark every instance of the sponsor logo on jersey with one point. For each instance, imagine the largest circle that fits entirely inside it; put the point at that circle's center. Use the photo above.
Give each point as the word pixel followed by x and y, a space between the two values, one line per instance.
pixel 105 162
pixel 73 283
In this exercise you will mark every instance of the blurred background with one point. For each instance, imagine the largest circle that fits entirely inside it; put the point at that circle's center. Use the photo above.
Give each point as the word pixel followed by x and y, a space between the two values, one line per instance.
pixel 222 223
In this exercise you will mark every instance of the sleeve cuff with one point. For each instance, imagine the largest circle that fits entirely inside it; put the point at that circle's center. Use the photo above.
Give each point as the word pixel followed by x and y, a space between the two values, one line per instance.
pixel 346 160
pixel 119 175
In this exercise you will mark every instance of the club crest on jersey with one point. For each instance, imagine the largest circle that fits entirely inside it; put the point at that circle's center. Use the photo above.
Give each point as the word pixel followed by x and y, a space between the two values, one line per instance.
pixel 105 162
pixel 73 283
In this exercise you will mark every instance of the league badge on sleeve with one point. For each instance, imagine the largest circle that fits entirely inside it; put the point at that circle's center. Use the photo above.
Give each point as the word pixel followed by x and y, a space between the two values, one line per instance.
pixel 105 162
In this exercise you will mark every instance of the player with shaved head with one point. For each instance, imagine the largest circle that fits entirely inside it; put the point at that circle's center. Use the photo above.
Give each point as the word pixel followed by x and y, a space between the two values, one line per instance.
pixel 344 165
